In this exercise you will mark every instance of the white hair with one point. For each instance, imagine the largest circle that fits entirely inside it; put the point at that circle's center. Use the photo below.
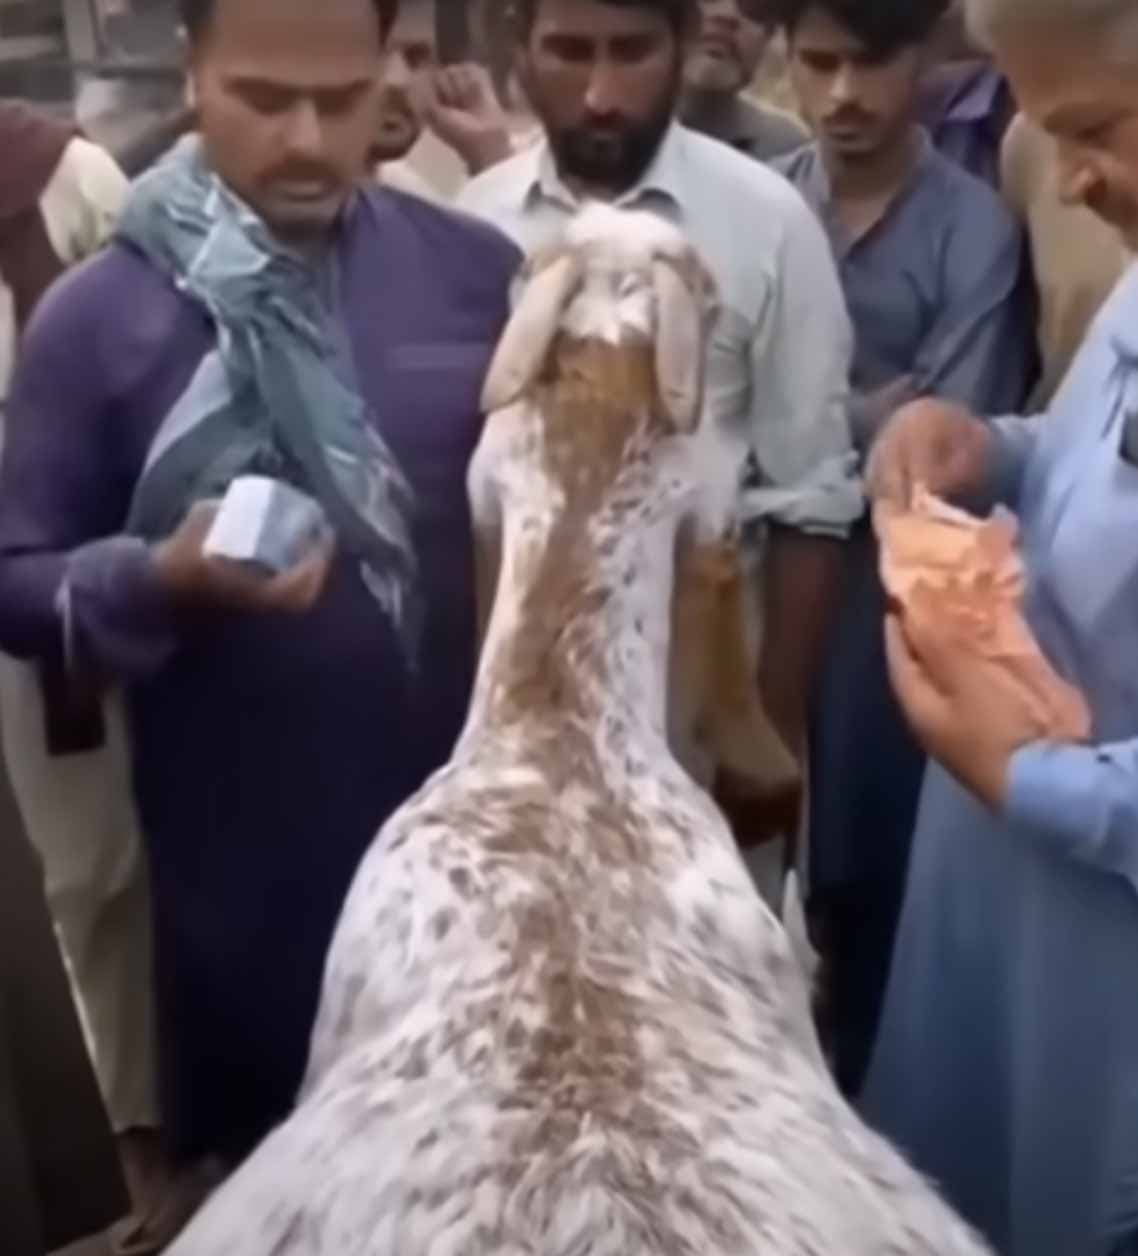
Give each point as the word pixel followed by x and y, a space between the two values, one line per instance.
pixel 1110 25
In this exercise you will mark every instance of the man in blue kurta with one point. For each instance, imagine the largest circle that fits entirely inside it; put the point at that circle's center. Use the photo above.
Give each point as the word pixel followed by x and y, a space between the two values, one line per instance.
pixel 931 268
pixel 276 722
pixel 1007 1060
pixel 966 103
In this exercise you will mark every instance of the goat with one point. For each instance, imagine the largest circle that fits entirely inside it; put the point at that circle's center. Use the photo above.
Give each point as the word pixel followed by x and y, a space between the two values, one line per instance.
pixel 557 1018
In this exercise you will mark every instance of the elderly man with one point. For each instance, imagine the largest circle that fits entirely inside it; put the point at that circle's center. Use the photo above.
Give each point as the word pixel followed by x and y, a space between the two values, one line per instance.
pixel 1077 258
pixel 721 66
pixel 1007 1060
pixel 603 76
pixel 60 197
pixel 259 311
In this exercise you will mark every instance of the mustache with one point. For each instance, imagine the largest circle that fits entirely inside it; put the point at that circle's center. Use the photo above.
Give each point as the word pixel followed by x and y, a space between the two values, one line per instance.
pixel 725 46
pixel 848 116
pixel 398 117
pixel 603 124
pixel 301 172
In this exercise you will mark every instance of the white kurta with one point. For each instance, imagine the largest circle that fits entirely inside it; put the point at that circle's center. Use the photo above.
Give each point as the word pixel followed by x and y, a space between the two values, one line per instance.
pixel 78 809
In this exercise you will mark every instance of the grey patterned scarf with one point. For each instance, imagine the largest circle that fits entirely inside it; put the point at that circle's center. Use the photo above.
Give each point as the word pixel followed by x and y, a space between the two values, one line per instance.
pixel 277 396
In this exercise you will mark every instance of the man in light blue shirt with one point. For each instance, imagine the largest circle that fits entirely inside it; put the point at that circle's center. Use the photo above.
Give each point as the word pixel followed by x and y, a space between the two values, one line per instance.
pixel 1007 1060
pixel 931 264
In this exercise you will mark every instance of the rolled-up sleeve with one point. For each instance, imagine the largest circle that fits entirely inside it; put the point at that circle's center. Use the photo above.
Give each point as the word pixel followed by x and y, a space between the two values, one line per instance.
pixel 799 415
pixel 1081 800
pixel 71 588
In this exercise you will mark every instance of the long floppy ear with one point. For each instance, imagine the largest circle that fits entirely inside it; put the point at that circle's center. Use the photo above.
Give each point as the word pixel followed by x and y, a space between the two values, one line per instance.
pixel 680 327
pixel 525 343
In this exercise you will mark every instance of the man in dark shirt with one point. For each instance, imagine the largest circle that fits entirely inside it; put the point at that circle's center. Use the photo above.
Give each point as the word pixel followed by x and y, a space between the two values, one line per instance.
pixel 931 265
pixel 721 64
pixel 275 723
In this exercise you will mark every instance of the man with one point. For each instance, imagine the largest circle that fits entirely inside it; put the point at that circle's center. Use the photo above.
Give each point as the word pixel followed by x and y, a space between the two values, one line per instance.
pixel 271 316
pixel 59 200
pixel 721 67
pixel 604 77
pixel 1077 258
pixel 438 124
pixel 931 265
pixel 1007 1062
pixel 59 197
pixel 966 103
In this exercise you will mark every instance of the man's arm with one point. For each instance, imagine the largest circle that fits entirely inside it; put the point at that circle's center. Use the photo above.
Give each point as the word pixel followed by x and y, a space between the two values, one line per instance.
pixel 63 495
pixel 976 719
pixel 462 109
pixel 980 349
pixel 979 353
pixel 810 492
pixel 74 590
pixel 1080 800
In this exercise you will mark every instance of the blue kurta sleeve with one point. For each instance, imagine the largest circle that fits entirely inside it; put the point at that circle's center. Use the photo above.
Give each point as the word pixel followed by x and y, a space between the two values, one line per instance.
pixel 1081 800
pixel 70 586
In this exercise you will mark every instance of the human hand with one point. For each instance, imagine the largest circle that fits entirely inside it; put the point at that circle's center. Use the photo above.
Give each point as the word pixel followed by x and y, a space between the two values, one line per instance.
pixel 191 577
pixel 966 710
pixel 459 104
pixel 935 443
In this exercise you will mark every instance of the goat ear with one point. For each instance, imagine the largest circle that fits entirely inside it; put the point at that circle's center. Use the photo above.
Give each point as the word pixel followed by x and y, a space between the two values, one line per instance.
pixel 679 346
pixel 525 343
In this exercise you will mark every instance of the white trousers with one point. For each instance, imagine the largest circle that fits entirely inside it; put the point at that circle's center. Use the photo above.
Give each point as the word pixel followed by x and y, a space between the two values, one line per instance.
pixel 79 814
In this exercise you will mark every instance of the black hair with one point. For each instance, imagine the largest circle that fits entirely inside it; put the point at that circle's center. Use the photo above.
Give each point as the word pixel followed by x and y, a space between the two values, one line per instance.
pixel 680 13
pixel 882 27
pixel 196 15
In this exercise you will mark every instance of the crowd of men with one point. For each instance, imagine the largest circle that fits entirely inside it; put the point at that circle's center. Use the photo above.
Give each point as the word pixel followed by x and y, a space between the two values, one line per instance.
pixel 199 757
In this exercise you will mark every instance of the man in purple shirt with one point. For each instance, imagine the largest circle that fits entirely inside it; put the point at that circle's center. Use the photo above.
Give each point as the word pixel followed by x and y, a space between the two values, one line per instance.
pixel 275 723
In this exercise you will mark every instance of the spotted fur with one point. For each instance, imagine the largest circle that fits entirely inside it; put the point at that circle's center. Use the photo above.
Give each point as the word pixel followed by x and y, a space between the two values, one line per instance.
pixel 557 1019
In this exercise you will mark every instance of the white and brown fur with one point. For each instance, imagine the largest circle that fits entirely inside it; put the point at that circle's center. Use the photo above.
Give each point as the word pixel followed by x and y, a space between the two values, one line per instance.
pixel 557 1019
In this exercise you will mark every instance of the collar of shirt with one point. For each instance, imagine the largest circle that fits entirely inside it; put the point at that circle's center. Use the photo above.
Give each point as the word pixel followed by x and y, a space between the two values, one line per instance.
pixel 813 181
pixel 664 178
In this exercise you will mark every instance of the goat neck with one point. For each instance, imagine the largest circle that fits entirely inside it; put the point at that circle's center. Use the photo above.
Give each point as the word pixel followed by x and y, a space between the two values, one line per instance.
pixel 592 489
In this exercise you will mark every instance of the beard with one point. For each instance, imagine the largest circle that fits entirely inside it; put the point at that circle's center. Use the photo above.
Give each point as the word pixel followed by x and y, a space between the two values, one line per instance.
pixel 399 129
pixel 715 75
pixel 610 151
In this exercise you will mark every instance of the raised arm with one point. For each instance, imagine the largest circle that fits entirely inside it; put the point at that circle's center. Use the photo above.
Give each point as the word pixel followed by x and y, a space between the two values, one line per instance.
pixel 64 492
pixel 1082 801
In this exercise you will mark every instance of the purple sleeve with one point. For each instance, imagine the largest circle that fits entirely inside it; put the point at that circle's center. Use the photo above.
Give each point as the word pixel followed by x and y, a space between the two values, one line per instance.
pixel 68 468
